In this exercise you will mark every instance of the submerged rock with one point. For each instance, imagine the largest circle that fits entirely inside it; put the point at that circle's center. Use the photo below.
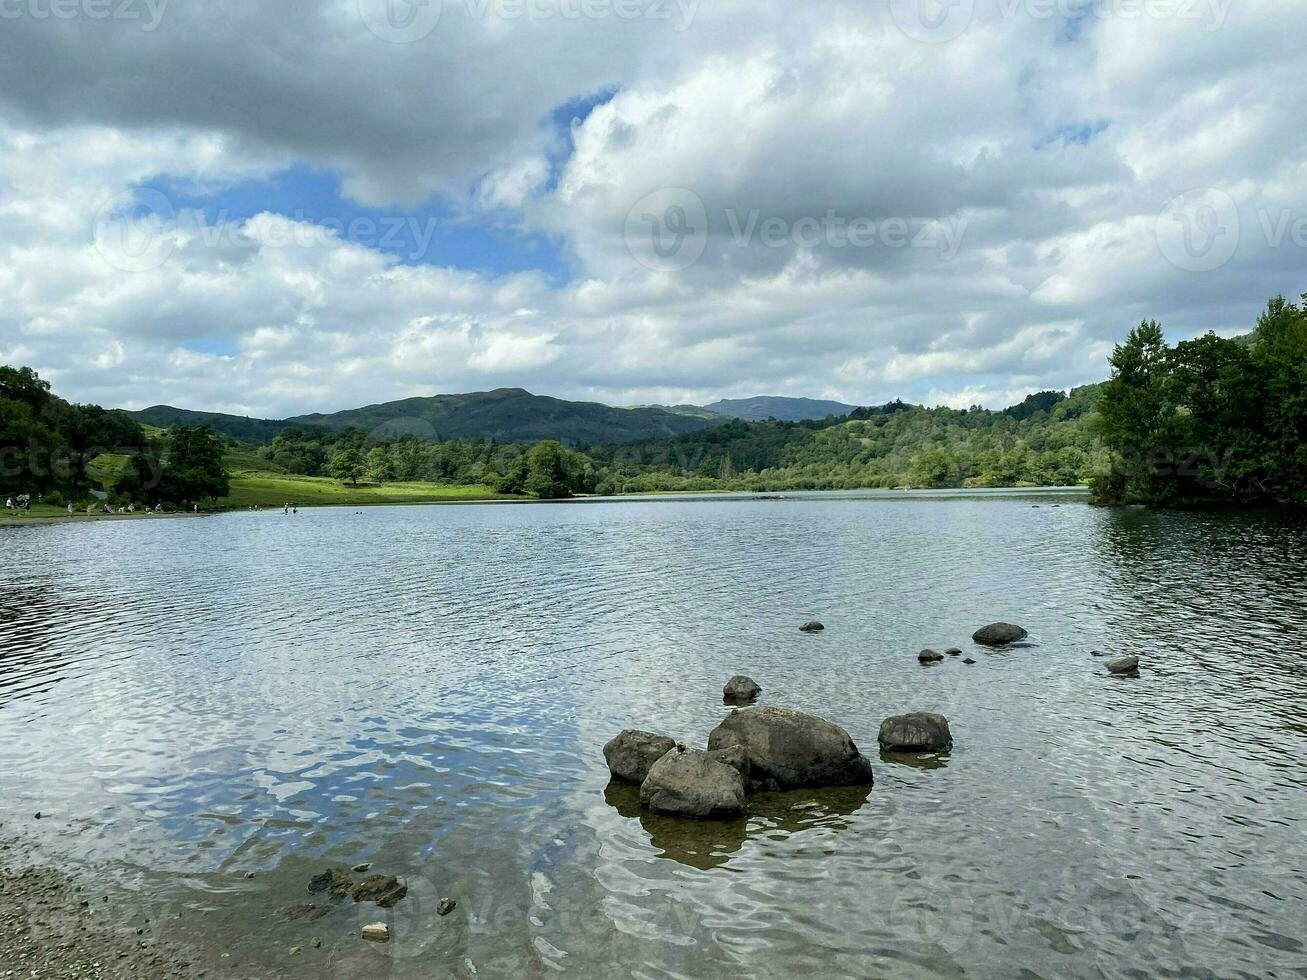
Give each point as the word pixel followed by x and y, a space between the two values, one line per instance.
pixel 741 688
pixel 377 932
pixel 306 912
pixel 446 906
pixel 333 881
pixel 385 890
pixel 632 753
pixel 1123 665
pixel 812 626
pixel 999 634
pixel 953 652
pixel 920 731
pixel 362 868
pixel 794 749
pixel 968 661
pixel 693 784
pixel 929 656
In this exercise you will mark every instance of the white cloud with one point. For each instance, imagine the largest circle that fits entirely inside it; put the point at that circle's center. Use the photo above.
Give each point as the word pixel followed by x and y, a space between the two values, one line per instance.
pixel 1048 150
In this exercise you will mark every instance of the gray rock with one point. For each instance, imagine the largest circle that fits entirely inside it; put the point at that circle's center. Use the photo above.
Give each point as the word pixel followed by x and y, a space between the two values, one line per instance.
pixel 632 753
pixel 362 868
pixel 333 881
pixel 693 784
pixel 377 932
pixel 953 652
pixel 916 732
pixel 741 688
pixel 812 626
pixel 735 757
pixel 968 661
pixel 929 656
pixel 446 906
pixel 999 634
pixel 794 749
pixel 1123 665
pixel 385 890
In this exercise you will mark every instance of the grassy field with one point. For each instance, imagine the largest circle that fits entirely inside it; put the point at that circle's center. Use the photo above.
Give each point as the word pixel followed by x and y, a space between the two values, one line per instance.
pixel 264 489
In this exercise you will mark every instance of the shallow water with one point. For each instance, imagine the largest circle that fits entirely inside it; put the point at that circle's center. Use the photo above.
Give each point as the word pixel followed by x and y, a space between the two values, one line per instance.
pixel 429 689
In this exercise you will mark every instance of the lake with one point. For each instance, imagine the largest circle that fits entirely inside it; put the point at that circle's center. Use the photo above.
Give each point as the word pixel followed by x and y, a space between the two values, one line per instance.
pixel 429 689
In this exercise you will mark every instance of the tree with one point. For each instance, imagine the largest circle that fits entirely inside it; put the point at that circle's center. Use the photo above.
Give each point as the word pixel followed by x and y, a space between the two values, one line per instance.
pixel 552 472
pixel 1133 412
pixel 380 467
pixel 348 464
pixel 193 469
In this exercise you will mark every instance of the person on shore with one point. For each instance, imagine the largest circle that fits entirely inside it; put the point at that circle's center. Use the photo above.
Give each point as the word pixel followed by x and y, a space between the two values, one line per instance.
pixel 9 503
pixel 70 510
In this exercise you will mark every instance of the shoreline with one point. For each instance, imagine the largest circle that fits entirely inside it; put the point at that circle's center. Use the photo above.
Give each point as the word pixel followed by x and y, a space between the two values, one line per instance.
pixel 45 520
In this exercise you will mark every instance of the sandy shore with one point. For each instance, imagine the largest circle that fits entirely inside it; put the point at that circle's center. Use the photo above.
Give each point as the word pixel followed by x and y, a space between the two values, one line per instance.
pixel 53 928
pixel 43 520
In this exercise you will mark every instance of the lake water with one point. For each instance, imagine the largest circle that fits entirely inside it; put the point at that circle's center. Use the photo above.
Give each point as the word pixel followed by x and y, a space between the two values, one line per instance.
pixel 429 689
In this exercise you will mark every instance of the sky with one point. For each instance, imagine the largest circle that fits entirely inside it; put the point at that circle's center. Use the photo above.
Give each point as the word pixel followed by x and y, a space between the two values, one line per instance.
pixel 270 209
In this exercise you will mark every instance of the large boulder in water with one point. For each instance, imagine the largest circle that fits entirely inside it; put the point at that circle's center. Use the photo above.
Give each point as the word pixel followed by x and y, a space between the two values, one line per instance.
pixel 631 754
pixel 794 749
pixel 812 626
pixel 920 731
pixel 1124 665
pixel 999 634
pixel 691 783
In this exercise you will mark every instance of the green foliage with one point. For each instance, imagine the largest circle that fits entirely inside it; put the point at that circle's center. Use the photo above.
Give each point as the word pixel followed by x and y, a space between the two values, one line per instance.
pixel 193 468
pixel 1208 419
pixel 49 446
pixel 348 464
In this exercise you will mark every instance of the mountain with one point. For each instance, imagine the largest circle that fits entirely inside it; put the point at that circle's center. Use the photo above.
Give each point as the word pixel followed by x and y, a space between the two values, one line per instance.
pixel 773 407
pixel 506 414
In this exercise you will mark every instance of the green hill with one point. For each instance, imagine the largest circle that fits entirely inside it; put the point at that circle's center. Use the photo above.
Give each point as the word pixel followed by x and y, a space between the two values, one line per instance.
pixel 506 414
pixel 782 409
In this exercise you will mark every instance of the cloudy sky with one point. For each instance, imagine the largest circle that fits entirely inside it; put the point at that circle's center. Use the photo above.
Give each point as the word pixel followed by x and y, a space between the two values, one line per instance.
pixel 270 208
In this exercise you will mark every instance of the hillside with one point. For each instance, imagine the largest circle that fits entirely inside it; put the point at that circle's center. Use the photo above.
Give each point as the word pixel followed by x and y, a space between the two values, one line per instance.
pixel 782 409
pixel 506 414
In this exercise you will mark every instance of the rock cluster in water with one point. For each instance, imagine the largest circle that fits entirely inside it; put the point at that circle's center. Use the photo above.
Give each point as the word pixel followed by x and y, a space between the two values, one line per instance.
pixel 764 748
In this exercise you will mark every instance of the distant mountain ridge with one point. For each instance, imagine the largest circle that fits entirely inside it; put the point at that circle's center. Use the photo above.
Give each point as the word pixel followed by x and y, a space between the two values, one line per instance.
pixel 764 407
pixel 506 414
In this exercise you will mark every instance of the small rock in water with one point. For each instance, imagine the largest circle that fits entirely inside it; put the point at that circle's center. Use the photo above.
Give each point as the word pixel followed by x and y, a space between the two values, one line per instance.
pixel 38 814
pixel 693 784
pixel 999 634
pixel 812 626
pixel 741 688
pixel 385 890
pixel 316 943
pixel 249 875
pixel 1123 665
pixel 377 932
pixel 968 661
pixel 362 868
pixel 953 652
pixel 929 656
pixel 446 906
pixel 296 950
pixel 917 732
pixel 1099 653
pixel 333 881
pixel 631 754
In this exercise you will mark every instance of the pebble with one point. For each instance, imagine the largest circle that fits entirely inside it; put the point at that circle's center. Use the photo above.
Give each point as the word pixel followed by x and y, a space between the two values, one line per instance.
pixel 446 906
